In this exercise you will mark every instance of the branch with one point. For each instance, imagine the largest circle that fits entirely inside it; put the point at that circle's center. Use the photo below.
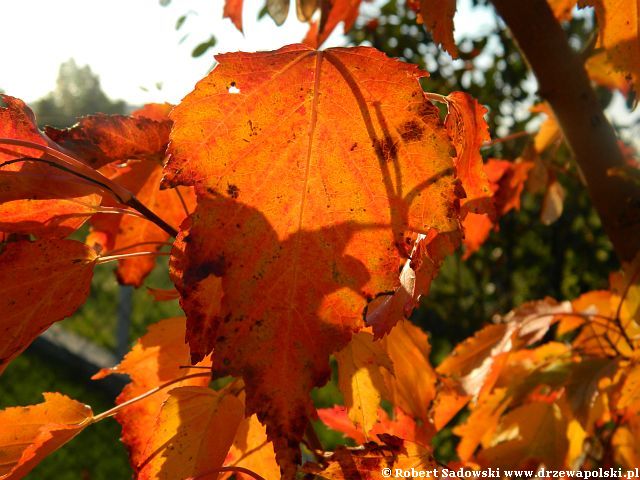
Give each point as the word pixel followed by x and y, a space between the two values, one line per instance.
pixel 563 82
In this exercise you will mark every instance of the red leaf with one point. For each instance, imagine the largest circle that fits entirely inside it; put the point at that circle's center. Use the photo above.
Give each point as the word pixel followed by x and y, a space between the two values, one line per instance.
pixel 101 139
pixel 338 419
pixel 233 11
pixel 468 131
pixel 510 178
pixel 36 198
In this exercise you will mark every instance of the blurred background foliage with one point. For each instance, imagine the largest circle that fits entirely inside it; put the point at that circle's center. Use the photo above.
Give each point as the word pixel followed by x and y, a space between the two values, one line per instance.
pixel 77 93
pixel 524 260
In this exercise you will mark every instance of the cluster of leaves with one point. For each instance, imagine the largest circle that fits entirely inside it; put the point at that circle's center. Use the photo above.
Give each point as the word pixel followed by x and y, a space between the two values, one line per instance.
pixel 290 237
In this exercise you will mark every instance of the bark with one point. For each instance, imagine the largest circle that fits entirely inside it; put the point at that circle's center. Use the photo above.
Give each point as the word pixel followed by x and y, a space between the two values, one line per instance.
pixel 563 82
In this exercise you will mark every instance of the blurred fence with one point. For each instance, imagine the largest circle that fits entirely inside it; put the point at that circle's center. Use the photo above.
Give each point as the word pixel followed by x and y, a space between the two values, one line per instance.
pixel 85 356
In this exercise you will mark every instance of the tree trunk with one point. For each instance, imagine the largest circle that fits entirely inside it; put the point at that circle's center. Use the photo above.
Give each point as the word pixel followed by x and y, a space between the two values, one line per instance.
pixel 563 82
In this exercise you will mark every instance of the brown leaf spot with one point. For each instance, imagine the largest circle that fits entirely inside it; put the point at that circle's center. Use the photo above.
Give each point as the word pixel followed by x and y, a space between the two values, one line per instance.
pixel 202 270
pixel 233 191
pixel 411 131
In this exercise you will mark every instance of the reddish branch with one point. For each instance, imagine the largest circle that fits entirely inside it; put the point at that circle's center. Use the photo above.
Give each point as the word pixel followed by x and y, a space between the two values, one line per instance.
pixel 563 82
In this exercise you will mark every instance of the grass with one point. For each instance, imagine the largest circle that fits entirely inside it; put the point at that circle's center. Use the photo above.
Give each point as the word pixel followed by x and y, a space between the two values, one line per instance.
pixel 96 453
pixel 97 318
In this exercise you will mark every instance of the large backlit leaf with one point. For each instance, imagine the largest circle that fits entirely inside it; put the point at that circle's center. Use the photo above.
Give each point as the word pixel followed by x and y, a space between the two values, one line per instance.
pixel 42 282
pixel 429 251
pixel 154 360
pixel 301 223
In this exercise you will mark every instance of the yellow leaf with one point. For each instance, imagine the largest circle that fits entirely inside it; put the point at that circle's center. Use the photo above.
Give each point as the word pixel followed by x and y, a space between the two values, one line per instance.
pixel 28 434
pixel 482 422
pixel 618 23
pixel 412 385
pixel 360 379
pixel 252 450
pixel 533 432
pixel 193 434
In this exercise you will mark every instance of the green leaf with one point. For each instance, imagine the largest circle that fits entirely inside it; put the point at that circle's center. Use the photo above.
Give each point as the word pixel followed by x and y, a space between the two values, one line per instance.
pixel 203 47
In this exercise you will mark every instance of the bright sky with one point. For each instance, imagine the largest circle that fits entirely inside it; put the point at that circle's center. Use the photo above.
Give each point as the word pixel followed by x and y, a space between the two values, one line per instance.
pixel 133 44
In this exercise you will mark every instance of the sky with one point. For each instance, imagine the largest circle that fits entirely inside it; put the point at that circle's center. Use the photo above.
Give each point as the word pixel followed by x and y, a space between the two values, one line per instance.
pixel 133 44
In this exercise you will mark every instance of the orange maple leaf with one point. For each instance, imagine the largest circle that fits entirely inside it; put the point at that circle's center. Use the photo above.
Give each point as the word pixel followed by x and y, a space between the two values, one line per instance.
pixel 299 241
pixel 437 16
pixel 155 359
pixel 42 282
pixel 29 434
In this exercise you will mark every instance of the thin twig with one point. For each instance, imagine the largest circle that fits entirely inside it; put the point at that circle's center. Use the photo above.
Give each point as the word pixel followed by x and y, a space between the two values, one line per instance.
pixel 184 204
pixel 513 136
pixel 122 256
pixel 246 471
pixel 111 412
pixel 139 244
pixel 436 97
pixel 82 170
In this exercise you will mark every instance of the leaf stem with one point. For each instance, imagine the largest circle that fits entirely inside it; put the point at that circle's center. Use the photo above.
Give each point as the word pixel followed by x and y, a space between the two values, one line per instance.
pixel 122 256
pixel 512 136
pixel 244 470
pixel 436 97
pixel 73 165
pixel 139 244
pixel 133 202
pixel 184 204
pixel 112 411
